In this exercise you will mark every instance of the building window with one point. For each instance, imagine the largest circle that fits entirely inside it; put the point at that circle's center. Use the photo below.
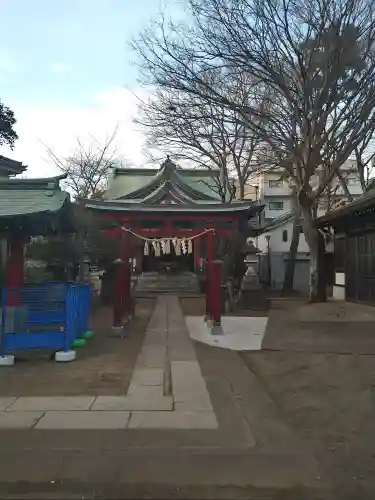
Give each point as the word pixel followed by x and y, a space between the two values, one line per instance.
pixel 274 183
pixel 353 181
pixel 276 205
pixel 285 235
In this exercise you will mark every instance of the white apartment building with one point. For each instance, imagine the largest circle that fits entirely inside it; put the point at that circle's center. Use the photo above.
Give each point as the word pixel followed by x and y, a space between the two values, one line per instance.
pixel 275 192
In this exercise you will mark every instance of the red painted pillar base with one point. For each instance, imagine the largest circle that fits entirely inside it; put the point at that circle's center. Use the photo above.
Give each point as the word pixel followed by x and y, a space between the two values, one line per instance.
pixel 122 281
pixel 209 259
pixel 122 292
pixel 208 316
pixel 118 299
pixel 126 288
pixel 216 301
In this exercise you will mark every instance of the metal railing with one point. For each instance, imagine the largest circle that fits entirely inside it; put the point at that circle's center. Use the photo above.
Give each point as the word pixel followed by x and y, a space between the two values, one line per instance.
pixel 47 315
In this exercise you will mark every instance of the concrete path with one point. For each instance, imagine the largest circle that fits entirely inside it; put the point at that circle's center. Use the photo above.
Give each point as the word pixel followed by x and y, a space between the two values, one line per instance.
pixel 167 389
pixel 160 449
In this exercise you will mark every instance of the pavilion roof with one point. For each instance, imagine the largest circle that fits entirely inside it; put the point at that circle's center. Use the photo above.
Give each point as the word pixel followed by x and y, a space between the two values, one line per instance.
pixel 33 203
pixel 153 186
pixel 10 167
pixel 168 190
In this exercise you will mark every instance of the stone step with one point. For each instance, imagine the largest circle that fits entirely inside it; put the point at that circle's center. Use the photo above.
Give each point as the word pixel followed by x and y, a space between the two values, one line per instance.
pixel 154 283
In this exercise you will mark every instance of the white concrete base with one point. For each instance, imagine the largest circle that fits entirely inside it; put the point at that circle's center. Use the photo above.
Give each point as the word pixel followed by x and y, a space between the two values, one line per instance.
pixel 217 329
pixel 240 333
pixel 338 293
pixel 340 279
pixel 65 356
pixel 7 360
pixel 117 331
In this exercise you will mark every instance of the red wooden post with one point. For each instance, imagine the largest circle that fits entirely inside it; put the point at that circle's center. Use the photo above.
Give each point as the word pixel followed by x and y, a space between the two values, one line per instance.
pixel 14 272
pixel 126 271
pixel 122 280
pixel 216 297
pixel 209 259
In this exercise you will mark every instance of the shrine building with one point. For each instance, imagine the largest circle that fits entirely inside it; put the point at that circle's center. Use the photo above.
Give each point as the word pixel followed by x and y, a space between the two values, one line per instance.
pixel 171 217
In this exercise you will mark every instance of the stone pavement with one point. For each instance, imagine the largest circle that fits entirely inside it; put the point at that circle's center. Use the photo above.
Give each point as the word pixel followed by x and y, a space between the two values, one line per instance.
pixel 241 449
pixel 167 389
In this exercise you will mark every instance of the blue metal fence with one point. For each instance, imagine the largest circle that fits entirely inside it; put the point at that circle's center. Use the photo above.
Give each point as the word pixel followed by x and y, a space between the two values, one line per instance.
pixel 48 315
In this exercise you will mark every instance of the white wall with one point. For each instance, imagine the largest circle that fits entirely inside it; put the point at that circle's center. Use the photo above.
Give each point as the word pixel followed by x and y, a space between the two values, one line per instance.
pixel 276 241
pixel 283 192
pixel 272 214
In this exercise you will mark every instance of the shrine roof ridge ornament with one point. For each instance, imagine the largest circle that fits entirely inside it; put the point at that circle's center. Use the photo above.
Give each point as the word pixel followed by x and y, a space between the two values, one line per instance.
pixel 116 206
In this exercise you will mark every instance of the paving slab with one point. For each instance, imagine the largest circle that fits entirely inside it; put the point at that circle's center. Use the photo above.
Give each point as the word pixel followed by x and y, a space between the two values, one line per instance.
pixel 147 376
pixel 194 406
pixel 189 386
pixel 151 357
pixel 84 420
pixel 5 402
pixel 180 354
pixel 193 400
pixel 19 420
pixel 145 391
pixel 68 403
pixel 118 403
pixel 172 420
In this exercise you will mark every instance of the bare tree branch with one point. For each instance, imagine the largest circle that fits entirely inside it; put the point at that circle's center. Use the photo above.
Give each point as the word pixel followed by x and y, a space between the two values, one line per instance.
pixel 89 166
pixel 203 133
pixel 316 61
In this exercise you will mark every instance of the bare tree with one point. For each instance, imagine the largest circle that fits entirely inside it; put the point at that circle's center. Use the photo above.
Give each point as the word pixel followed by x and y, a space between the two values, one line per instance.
pixel 87 169
pixel 203 133
pixel 365 156
pixel 317 59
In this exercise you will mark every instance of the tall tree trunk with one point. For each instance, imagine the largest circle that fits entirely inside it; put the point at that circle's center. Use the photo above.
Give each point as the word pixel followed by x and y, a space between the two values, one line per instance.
pixel 241 190
pixel 361 170
pixel 315 241
pixel 344 186
pixel 291 263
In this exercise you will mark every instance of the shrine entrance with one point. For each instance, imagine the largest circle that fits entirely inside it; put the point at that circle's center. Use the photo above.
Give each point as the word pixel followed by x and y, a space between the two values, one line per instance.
pixel 170 220
pixel 167 263
pixel 168 256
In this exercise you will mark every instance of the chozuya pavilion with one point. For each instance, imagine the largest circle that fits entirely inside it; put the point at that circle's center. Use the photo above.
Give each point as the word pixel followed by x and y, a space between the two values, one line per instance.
pixel 170 214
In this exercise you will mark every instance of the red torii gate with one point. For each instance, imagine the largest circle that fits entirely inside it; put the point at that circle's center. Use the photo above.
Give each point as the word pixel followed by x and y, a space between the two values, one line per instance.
pixel 123 273
pixel 210 223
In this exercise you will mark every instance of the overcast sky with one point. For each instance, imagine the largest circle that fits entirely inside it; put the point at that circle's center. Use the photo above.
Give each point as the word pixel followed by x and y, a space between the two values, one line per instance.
pixel 66 70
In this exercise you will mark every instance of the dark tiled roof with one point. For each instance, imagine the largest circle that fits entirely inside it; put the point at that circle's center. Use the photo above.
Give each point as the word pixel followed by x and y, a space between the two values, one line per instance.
pixel 364 202
pixel 10 167
pixel 136 185
pixel 20 197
